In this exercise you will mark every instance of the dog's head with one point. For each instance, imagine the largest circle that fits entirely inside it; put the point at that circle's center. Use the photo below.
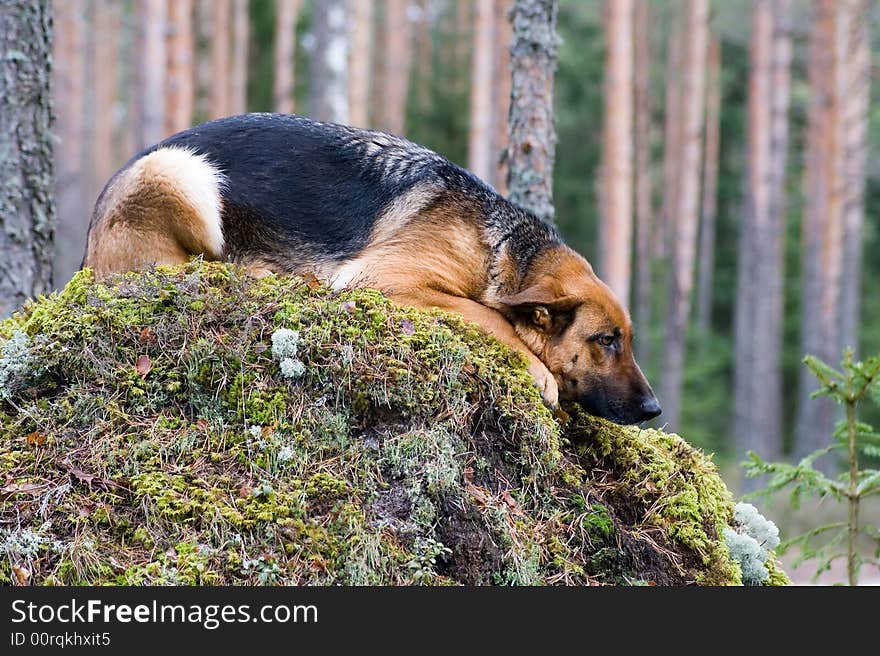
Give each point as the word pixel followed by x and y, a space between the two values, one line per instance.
pixel 576 325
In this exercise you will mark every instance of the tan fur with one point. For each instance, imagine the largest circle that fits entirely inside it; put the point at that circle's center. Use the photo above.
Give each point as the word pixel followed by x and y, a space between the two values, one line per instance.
pixel 435 251
pixel 401 212
pixel 161 210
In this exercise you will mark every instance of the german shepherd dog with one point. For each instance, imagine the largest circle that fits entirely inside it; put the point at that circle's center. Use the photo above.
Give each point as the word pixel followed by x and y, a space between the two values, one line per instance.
pixel 289 195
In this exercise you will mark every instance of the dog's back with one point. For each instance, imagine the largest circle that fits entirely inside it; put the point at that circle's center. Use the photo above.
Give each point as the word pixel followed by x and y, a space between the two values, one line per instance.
pixel 277 191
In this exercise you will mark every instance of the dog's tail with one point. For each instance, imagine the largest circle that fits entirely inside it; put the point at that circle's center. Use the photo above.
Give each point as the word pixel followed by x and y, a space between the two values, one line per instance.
pixel 161 209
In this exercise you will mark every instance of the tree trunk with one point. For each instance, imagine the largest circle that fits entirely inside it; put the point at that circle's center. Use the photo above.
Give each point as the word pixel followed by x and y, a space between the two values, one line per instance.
pixel 615 226
pixel 240 29
pixel 490 92
pixel 672 132
pixel 91 126
pixel 105 68
pixel 204 64
pixel 461 45
pixel 744 326
pixel 687 209
pixel 285 55
pixel 101 128
pixel 424 46
pixel 378 77
pixel 329 74
pixel 770 306
pixel 180 81
pixel 27 213
pixel 359 60
pixel 501 94
pixel 71 184
pixel 644 204
pixel 856 100
pixel 532 149
pixel 711 152
pixel 220 82
pixel 151 62
pixel 128 75
pixel 480 159
pixel 758 340
pixel 398 56
pixel 822 227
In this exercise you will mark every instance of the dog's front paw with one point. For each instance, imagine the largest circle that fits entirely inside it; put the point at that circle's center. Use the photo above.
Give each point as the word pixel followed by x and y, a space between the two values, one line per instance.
pixel 546 383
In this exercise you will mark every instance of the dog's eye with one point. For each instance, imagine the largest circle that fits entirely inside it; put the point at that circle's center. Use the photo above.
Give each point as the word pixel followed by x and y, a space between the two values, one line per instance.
pixel 606 340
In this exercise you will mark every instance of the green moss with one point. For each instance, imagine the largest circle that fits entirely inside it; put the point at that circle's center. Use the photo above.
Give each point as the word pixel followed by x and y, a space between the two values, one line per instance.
pixel 675 485
pixel 598 523
pixel 324 485
pixel 187 564
pixel 777 575
pixel 413 449
pixel 255 405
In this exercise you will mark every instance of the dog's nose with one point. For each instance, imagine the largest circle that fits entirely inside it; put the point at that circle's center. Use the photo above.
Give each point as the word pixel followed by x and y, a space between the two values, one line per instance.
pixel 650 408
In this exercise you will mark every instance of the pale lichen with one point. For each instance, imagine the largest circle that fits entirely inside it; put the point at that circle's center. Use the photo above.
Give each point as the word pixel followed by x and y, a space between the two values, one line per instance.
pixel 751 542
pixel 16 364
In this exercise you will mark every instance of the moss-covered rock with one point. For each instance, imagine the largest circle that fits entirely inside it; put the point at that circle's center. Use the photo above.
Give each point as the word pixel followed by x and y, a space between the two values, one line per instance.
pixel 152 431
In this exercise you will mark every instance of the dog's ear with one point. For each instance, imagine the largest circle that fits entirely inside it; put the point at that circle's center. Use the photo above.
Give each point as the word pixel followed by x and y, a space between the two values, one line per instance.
pixel 541 317
pixel 546 292
pixel 537 303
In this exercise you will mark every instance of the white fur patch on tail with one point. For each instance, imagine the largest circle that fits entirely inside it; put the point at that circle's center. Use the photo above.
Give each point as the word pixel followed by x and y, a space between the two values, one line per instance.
pixel 347 274
pixel 197 181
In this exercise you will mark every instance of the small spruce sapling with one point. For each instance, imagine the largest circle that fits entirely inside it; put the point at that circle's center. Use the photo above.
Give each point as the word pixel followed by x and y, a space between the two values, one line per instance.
pixel 853 384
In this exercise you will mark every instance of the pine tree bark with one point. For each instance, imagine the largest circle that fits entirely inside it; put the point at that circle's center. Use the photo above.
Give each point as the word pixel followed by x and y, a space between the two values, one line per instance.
pixel 359 61
pixel 711 152
pixel 151 61
pixel 501 94
pixel 743 326
pixel 204 64
pixel 128 76
pixel 758 339
pixel 398 60
pixel 532 149
pixel 27 211
pixel 822 227
pixel 770 307
pixel 378 77
pixel 615 225
pixel 101 127
pixel 69 93
pixel 461 45
pixel 672 132
pixel 180 80
pixel 220 60
pixel 424 45
pixel 480 133
pixel 834 191
pixel 687 210
pixel 105 68
pixel 285 55
pixel 644 205
pixel 240 30
pixel 329 71
pixel 856 102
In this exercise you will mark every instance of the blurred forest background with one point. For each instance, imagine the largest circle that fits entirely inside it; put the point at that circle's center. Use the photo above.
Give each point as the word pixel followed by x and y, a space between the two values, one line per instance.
pixel 716 161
